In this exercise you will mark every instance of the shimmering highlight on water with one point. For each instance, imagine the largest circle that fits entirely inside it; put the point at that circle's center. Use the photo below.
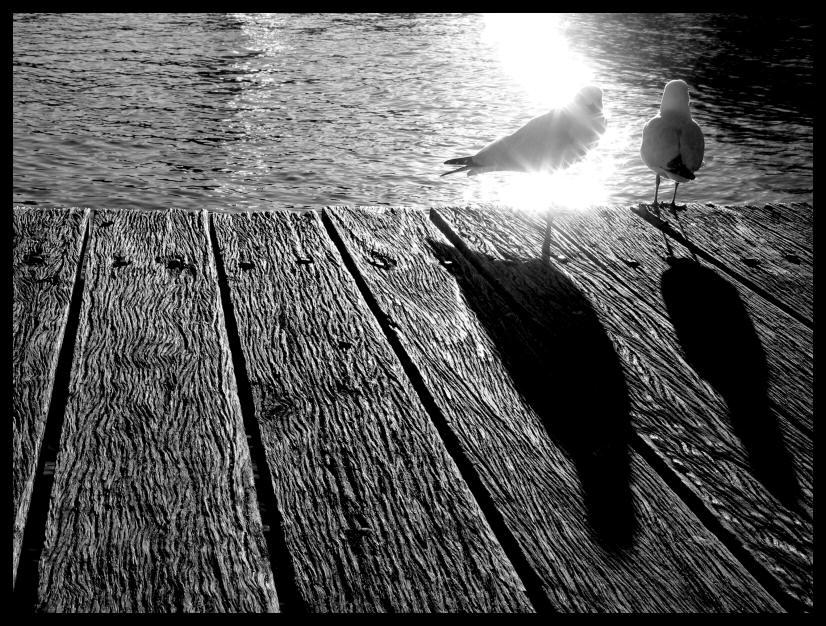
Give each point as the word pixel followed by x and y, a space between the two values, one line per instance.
pixel 259 111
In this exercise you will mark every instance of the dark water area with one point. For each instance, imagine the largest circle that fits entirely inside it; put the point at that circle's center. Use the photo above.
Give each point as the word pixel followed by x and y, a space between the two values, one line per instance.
pixel 240 112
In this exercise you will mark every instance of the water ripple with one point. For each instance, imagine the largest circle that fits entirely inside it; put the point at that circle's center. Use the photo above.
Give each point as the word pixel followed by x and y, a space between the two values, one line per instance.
pixel 250 111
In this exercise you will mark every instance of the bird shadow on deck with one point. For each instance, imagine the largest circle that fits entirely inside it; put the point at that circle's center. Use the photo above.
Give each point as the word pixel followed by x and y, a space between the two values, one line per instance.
pixel 719 341
pixel 563 364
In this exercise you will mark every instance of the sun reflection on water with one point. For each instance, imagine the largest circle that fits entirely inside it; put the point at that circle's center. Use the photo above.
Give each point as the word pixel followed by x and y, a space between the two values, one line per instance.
pixel 534 52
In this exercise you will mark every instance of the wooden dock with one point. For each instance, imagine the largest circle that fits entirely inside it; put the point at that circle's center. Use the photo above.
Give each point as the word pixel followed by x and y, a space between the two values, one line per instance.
pixel 383 409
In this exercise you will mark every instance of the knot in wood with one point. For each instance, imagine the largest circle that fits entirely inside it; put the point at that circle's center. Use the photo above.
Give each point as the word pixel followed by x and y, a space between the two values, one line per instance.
pixel 34 255
pixel 54 279
pixel 118 260
pixel 381 260
pixel 176 263
pixel 33 258
pixel 358 532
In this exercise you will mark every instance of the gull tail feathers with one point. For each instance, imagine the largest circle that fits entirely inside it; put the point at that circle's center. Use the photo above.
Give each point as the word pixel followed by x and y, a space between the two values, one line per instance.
pixel 677 166
pixel 460 169
pixel 466 162
pixel 460 161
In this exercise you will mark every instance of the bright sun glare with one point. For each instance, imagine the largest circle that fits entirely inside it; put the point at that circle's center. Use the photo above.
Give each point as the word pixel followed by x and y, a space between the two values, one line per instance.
pixel 533 50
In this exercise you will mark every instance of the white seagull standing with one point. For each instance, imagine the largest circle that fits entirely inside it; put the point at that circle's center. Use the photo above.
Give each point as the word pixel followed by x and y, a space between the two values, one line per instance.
pixel 672 143
pixel 546 143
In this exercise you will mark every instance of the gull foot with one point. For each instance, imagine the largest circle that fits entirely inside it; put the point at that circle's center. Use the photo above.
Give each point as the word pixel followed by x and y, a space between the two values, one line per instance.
pixel 655 209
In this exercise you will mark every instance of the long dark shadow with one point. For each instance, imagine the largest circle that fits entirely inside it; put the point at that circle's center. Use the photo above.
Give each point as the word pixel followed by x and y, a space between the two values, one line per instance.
pixel 720 343
pixel 565 366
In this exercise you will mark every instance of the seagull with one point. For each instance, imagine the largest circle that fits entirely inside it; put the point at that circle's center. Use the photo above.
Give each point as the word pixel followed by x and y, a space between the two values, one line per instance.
pixel 673 144
pixel 545 144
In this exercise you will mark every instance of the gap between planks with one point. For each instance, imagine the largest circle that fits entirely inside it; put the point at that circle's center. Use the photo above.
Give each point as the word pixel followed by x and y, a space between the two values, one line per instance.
pixel 281 563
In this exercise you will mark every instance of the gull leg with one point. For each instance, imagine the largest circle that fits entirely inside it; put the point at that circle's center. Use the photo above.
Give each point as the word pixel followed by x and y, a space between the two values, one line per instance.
pixel 546 245
pixel 677 217
pixel 668 250
pixel 656 191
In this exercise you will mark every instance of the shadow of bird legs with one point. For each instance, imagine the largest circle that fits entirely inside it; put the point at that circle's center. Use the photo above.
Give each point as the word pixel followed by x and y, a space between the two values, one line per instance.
pixel 563 364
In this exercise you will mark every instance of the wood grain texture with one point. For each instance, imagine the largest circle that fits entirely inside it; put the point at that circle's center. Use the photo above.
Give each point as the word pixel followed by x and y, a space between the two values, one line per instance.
pixel 735 450
pixel 549 441
pixel 377 517
pixel 153 507
pixel 792 223
pixel 46 246
pixel 759 245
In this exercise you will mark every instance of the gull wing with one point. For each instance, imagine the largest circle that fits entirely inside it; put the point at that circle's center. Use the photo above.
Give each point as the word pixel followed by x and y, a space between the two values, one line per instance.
pixel 692 145
pixel 541 143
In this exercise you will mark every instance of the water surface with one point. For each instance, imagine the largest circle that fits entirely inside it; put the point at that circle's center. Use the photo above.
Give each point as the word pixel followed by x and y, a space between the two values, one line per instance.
pixel 237 112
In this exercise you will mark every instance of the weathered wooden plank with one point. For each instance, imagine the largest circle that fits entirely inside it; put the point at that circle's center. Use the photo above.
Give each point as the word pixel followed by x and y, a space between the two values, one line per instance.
pixel 791 222
pixel 46 248
pixel 736 452
pixel 377 517
pixel 758 250
pixel 543 419
pixel 153 507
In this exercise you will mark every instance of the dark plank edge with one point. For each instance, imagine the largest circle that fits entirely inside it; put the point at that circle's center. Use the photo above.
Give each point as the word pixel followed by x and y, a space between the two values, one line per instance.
pixel 289 598
pixel 530 580
pixel 643 212
pixel 674 479
pixel 25 579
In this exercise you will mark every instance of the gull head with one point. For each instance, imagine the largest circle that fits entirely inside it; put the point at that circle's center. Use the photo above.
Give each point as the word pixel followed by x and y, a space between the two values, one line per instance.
pixel 590 99
pixel 675 97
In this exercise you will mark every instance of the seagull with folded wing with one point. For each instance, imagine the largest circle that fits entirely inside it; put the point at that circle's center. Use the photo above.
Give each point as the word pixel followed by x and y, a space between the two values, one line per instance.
pixel 673 144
